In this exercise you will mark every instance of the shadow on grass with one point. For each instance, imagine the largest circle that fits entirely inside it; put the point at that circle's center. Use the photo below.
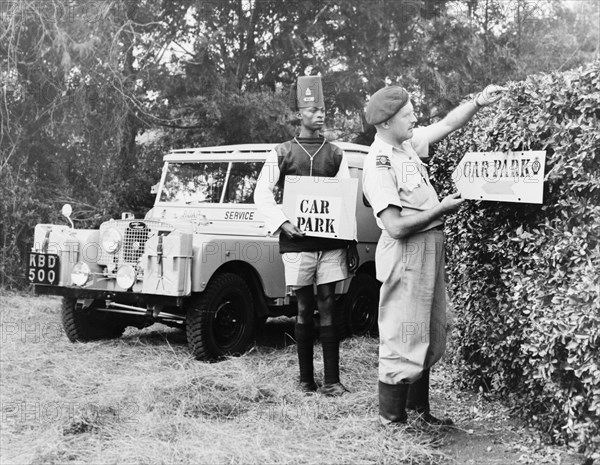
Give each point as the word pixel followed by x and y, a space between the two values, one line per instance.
pixel 276 333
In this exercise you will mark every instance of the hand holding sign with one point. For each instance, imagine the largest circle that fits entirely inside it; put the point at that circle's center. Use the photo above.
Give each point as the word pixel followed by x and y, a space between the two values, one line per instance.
pixel 353 258
pixel 452 202
pixel 291 231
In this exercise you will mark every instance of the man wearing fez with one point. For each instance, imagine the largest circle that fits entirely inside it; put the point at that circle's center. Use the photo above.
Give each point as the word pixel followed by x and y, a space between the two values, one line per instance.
pixel 309 260
pixel 410 252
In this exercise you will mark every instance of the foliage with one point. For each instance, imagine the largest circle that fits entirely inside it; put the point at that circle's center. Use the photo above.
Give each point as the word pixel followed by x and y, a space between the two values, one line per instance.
pixel 83 83
pixel 525 278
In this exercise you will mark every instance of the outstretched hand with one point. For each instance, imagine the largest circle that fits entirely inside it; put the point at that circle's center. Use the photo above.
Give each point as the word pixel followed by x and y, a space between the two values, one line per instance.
pixel 491 94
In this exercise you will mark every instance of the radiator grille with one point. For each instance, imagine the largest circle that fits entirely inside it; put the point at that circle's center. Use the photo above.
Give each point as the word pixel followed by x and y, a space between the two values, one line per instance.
pixel 134 241
pixel 134 235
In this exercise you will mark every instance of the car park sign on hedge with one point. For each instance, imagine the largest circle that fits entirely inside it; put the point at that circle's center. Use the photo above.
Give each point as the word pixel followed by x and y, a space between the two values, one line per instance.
pixel 321 207
pixel 501 176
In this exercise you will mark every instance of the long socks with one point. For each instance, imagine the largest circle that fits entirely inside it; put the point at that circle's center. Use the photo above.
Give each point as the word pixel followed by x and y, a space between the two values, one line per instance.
pixel 331 354
pixel 305 335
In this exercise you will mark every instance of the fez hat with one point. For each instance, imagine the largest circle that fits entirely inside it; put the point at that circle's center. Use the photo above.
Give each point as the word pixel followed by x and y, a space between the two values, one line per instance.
pixel 307 92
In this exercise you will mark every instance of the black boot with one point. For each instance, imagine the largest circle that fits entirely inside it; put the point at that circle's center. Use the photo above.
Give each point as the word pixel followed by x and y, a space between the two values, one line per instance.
pixel 392 398
pixel 331 362
pixel 305 336
pixel 418 400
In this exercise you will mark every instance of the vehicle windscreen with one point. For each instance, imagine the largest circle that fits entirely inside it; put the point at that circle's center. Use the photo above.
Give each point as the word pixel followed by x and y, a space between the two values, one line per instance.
pixel 211 182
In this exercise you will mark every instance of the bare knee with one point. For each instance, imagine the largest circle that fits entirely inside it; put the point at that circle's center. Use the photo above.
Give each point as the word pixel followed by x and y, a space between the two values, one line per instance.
pixel 326 302
pixel 306 304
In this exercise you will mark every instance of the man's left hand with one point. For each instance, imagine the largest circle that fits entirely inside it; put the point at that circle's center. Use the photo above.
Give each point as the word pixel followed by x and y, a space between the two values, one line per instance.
pixel 491 94
pixel 352 258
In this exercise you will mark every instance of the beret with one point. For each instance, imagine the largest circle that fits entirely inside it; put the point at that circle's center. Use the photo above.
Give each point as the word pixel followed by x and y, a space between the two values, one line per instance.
pixel 385 103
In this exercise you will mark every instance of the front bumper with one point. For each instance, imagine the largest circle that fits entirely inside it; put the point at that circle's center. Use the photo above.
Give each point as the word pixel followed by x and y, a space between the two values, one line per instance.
pixel 130 298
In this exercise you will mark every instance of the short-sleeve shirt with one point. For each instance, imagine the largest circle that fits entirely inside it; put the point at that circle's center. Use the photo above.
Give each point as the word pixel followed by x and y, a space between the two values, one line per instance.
pixel 397 176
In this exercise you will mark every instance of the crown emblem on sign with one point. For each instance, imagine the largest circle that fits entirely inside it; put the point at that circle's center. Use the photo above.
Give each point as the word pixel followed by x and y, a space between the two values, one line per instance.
pixel 536 165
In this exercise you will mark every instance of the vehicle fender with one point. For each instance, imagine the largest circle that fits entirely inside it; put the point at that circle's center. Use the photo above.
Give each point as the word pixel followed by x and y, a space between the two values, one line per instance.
pixel 213 251
pixel 71 246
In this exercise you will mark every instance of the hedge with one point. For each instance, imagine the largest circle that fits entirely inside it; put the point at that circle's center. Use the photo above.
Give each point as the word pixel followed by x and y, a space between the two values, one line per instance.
pixel 525 278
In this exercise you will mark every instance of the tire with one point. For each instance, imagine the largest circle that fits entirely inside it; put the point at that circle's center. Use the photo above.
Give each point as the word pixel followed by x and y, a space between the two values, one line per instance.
pixel 221 319
pixel 83 325
pixel 358 310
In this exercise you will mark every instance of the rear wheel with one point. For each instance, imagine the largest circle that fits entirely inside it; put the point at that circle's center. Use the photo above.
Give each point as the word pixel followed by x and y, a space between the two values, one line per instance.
pixel 221 319
pixel 358 310
pixel 83 325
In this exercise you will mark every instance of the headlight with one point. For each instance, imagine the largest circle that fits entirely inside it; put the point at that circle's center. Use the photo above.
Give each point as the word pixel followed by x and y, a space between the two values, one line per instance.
pixel 126 276
pixel 111 240
pixel 80 274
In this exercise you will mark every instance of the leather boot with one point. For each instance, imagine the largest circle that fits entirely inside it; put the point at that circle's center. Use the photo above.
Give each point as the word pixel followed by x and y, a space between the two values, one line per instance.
pixel 418 400
pixel 392 398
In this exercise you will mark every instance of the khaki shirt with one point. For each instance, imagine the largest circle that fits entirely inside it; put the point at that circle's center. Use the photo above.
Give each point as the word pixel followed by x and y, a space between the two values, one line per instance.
pixel 397 176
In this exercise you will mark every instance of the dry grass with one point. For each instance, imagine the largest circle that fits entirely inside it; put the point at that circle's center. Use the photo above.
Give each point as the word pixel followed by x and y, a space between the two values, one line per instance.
pixel 142 399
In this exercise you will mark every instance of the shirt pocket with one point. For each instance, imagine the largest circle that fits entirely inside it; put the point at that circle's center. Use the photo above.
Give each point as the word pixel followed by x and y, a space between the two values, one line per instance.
pixel 412 181
pixel 416 191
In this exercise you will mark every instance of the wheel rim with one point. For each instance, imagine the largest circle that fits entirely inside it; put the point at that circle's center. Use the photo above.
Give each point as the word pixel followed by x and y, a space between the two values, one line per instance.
pixel 229 324
pixel 363 314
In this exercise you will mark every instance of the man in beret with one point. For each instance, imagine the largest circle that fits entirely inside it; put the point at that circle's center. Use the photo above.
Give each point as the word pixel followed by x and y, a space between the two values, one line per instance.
pixel 410 253
pixel 309 260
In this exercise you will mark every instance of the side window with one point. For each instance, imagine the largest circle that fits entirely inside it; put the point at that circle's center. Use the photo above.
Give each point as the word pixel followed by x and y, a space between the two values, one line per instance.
pixel 242 181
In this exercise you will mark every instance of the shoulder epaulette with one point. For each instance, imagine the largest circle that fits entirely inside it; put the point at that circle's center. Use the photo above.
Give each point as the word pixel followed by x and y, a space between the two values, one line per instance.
pixel 383 161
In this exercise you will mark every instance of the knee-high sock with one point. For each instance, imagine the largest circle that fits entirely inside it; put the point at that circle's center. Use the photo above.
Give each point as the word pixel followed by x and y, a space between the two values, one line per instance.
pixel 331 354
pixel 305 335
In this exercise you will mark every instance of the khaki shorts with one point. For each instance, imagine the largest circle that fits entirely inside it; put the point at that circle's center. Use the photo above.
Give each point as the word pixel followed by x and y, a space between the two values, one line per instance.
pixel 305 268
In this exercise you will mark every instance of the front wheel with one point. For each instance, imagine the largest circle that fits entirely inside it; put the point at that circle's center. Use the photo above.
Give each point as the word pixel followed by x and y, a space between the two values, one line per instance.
pixel 221 319
pixel 88 324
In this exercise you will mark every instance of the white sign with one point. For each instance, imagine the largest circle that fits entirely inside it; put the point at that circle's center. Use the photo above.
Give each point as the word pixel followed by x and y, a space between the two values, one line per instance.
pixel 321 207
pixel 501 176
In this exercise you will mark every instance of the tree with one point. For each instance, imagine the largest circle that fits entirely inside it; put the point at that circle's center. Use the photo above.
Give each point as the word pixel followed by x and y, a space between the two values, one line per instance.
pixel 81 82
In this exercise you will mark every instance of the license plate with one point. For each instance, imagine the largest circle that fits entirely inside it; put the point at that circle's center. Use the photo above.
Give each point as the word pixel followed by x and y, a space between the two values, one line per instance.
pixel 43 268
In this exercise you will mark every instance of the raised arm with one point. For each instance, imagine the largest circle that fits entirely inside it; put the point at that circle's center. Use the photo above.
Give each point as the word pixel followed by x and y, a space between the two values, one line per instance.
pixel 462 114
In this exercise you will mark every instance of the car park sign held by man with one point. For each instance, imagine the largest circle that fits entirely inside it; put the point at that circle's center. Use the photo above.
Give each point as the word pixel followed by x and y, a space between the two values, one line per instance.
pixel 320 206
pixel 501 176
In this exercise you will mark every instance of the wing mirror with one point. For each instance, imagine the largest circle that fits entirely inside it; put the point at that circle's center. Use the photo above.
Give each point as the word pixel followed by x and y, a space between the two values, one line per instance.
pixel 66 211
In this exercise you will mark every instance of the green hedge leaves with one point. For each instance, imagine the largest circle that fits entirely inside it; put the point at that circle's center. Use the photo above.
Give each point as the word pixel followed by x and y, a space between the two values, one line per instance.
pixel 525 279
